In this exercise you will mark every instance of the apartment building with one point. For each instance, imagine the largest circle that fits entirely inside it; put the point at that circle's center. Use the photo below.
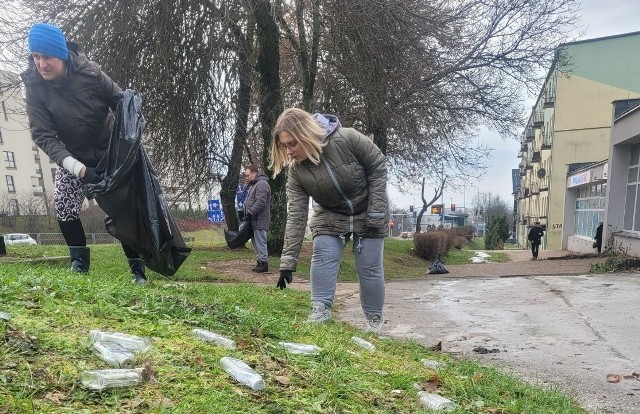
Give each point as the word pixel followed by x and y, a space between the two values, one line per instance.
pixel 565 144
pixel 26 174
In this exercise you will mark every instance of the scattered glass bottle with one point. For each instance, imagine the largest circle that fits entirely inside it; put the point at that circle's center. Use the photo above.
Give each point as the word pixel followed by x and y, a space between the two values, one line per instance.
pixel 303 349
pixel 4 316
pixel 433 364
pixel 242 373
pixel 130 342
pixel 111 378
pixel 114 354
pixel 217 339
pixel 363 344
pixel 436 402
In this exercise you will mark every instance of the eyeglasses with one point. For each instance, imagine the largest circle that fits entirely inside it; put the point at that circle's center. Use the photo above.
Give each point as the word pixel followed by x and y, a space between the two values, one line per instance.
pixel 289 145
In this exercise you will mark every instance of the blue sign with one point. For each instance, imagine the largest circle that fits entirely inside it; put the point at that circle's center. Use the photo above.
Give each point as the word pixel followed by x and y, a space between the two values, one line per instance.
pixel 214 212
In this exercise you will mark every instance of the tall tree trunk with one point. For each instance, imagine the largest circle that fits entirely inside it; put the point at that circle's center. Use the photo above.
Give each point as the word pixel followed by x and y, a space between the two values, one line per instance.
pixel 243 105
pixel 271 106
pixel 230 182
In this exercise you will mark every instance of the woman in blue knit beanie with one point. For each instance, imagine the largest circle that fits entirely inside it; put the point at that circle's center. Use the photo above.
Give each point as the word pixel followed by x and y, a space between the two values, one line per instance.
pixel 70 104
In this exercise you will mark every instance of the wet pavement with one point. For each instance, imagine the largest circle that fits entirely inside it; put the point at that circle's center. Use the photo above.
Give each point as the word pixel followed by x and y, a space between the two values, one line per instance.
pixel 569 330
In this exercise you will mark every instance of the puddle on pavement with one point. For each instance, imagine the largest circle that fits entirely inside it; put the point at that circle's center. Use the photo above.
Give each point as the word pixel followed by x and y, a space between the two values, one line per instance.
pixel 481 257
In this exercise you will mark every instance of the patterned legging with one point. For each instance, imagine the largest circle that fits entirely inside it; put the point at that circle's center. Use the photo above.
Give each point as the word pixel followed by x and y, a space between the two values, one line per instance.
pixel 68 195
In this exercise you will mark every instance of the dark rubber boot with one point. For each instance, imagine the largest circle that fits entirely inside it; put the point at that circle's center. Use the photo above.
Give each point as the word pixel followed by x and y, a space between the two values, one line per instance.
pixel 137 271
pixel 261 267
pixel 80 258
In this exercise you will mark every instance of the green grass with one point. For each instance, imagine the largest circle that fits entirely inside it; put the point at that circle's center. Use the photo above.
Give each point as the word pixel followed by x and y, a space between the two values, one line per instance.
pixel 44 348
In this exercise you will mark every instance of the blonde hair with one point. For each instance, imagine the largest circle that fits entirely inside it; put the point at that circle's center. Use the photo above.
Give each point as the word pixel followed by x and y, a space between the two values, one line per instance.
pixel 304 129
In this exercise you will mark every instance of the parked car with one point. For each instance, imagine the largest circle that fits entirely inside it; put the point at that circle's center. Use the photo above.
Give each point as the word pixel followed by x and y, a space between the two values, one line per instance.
pixel 19 238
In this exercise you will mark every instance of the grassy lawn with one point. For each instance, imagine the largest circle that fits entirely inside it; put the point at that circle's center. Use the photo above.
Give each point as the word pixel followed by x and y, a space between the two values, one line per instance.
pixel 44 348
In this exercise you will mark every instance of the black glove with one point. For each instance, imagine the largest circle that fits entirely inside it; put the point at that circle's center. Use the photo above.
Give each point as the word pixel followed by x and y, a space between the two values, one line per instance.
pixel 286 276
pixel 91 175
pixel 247 217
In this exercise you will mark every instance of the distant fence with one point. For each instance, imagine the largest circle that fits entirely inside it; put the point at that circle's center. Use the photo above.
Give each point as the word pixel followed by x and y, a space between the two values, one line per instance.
pixel 56 238
pixel 92 238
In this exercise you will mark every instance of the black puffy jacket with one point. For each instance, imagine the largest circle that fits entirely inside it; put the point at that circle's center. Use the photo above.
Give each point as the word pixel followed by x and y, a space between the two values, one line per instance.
pixel 72 116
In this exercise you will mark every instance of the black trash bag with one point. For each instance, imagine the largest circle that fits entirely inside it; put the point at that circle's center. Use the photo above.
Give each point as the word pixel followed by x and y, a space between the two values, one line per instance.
pixel 238 238
pixel 137 212
pixel 437 267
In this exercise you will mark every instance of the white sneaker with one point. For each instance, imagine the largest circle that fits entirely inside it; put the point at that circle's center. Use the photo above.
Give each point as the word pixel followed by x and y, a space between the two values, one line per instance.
pixel 320 313
pixel 374 324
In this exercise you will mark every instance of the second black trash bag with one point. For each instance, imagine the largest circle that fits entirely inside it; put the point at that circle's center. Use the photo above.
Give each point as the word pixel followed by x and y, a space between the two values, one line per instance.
pixel 131 196
pixel 238 239
pixel 437 267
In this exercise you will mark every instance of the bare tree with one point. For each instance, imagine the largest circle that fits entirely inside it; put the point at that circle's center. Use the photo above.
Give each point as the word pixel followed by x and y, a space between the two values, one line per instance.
pixel 425 205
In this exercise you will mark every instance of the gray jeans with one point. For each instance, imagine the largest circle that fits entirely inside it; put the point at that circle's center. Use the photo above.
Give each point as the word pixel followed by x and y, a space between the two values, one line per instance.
pixel 325 263
pixel 259 241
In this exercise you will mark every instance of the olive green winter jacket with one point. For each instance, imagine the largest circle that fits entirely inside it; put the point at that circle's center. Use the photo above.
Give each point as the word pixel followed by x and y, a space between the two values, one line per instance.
pixel 348 188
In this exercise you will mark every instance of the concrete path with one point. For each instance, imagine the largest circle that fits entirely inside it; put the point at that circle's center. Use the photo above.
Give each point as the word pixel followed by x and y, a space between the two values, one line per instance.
pixel 564 331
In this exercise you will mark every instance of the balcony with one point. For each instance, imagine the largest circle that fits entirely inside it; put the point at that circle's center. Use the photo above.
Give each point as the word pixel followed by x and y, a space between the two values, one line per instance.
pixel 37 190
pixel 549 98
pixel 538 119
pixel 529 134
pixel 535 189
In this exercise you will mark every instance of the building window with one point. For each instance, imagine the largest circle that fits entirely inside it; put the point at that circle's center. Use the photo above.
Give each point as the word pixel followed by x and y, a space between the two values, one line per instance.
pixel 14 210
pixel 590 205
pixel 4 109
pixel 1 139
pixel 9 159
pixel 631 210
pixel 11 187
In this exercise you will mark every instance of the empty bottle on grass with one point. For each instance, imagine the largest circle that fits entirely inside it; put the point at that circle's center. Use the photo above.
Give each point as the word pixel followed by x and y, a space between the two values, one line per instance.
pixel 302 349
pixel 436 402
pixel 4 316
pixel 363 344
pixel 114 354
pixel 242 373
pixel 217 339
pixel 130 342
pixel 111 378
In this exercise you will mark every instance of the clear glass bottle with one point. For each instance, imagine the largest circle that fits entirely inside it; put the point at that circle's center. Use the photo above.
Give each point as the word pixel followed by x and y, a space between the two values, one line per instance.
pixel 363 344
pixel 4 316
pixel 111 378
pixel 242 373
pixel 114 354
pixel 304 349
pixel 432 363
pixel 436 402
pixel 217 339
pixel 130 342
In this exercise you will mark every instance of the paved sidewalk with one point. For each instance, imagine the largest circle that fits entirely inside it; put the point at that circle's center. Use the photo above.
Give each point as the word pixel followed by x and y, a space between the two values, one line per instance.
pixel 565 331
pixel 520 264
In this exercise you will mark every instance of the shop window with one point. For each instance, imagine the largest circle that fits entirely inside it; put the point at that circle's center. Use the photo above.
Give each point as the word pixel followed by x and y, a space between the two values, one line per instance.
pixel 631 210
pixel 589 209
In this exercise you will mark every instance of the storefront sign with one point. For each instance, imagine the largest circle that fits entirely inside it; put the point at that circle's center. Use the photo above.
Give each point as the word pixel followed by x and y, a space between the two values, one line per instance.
pixel 578 179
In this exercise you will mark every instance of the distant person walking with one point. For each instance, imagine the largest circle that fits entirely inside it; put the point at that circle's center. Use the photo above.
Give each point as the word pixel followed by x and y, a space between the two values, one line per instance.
pixel 597 244
pixel 345 175
pixel 257 210
pixel 70 105
pixel 535 237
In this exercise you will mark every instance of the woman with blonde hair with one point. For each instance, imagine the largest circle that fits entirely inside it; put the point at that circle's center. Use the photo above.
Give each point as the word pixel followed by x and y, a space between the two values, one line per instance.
pixel 345 175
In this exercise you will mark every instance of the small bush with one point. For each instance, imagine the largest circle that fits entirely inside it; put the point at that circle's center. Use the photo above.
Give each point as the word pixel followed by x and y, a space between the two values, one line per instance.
pixel 466 231
pixel 433 243
pixel 459 242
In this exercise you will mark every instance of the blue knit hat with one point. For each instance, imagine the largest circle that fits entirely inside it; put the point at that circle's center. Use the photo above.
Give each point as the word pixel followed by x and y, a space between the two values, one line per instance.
pixel 48 40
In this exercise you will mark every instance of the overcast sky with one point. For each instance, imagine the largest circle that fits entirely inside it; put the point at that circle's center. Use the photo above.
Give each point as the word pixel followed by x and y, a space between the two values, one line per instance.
pixel 599 18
